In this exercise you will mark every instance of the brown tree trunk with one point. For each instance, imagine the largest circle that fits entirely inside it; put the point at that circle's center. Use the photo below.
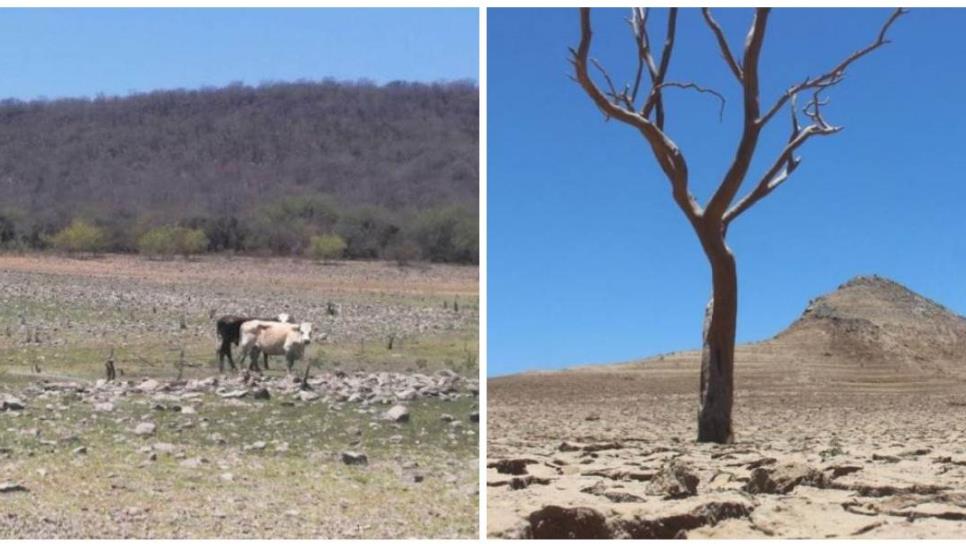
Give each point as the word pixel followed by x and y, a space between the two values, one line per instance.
pixel 718 352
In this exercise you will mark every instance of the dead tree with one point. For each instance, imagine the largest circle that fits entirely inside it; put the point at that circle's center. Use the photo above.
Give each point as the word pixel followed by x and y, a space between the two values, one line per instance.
pixel 644 110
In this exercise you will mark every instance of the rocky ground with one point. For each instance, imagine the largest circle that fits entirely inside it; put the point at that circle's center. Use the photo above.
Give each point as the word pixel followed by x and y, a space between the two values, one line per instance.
pixel 57 314
pixel 376 443
pixel 851 423
pixel 802 467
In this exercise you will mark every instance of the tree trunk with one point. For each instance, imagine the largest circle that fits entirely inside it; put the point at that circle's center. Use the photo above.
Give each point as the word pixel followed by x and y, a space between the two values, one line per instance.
pixel 718 352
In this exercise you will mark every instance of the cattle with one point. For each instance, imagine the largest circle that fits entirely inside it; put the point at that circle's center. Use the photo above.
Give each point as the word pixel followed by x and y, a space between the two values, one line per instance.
pixel 274 338
pixel 229 332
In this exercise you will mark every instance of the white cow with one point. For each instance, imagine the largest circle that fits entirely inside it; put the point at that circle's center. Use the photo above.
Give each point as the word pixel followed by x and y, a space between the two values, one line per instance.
pixel 274 338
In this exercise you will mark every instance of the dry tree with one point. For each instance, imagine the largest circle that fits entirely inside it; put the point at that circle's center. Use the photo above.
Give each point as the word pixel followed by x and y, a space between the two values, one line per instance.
pixel 644 110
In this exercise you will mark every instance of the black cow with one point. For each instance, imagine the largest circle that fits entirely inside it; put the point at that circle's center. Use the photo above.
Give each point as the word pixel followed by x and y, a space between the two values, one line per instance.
pixel 229 332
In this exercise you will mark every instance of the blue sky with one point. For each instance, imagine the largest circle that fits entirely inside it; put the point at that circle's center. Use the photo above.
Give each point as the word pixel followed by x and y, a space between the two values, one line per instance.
pixel 589 259
pixel 83 52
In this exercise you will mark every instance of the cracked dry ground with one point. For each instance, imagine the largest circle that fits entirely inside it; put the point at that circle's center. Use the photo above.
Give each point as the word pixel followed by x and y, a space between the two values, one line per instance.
pixel 611 454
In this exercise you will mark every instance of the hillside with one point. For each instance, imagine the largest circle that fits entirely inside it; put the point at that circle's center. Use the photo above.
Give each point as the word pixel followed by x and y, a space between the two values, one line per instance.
pixel 230 153
pixel 871 334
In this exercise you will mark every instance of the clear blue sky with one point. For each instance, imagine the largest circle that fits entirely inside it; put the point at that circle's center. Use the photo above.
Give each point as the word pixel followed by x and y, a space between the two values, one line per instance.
pixel 589 259
pixel 83 52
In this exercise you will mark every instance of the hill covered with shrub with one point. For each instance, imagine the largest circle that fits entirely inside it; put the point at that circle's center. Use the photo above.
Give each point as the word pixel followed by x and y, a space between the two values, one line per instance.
pixel 391 169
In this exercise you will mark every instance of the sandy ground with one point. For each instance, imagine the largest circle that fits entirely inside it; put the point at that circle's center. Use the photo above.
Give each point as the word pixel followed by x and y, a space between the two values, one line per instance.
pixel 618 459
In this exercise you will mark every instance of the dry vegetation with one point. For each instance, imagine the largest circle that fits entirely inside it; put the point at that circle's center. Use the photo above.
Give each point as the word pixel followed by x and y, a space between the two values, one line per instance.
pixel 848 425
pixel 217 460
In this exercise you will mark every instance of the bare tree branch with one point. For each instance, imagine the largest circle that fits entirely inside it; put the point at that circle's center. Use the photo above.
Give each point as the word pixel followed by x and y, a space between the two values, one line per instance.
pixel 696 87
pixel 725 193
pixel 668 156
pixel 615 96
pixel 786 163
pixel 638 22
pixel 722 43
pixel 836 74
pixel 659 73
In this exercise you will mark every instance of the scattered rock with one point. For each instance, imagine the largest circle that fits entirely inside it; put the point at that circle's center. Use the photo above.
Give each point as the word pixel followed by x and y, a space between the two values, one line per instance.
pixel 474 417
pixel 256 446
pixel 193 462
pixel 145 429
pixel 148 386
pixel 9 402
pixel 10 487
pixel 397 414
pixel 308 396
pixel 261 393
pixel 407 394
pixel 80 450
pixel 164 447
pixel 354 458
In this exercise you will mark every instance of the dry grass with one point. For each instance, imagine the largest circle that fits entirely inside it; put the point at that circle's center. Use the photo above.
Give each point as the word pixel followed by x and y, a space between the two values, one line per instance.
pixel 297 487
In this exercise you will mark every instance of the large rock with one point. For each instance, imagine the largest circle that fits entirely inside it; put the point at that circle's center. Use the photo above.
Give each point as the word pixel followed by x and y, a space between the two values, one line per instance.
pixel 145 429
pixel 397 414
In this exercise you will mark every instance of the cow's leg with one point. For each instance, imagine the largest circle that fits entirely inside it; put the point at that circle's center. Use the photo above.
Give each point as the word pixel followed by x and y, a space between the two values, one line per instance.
pixel 221 357
pixel 245 348
pixel 290 359
pixel 254 360
pixel 265 360
pixel 230 360
pixel 225 351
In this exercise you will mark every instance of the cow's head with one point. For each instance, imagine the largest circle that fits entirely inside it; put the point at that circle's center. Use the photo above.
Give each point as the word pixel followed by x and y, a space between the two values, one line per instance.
pixel 305 333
